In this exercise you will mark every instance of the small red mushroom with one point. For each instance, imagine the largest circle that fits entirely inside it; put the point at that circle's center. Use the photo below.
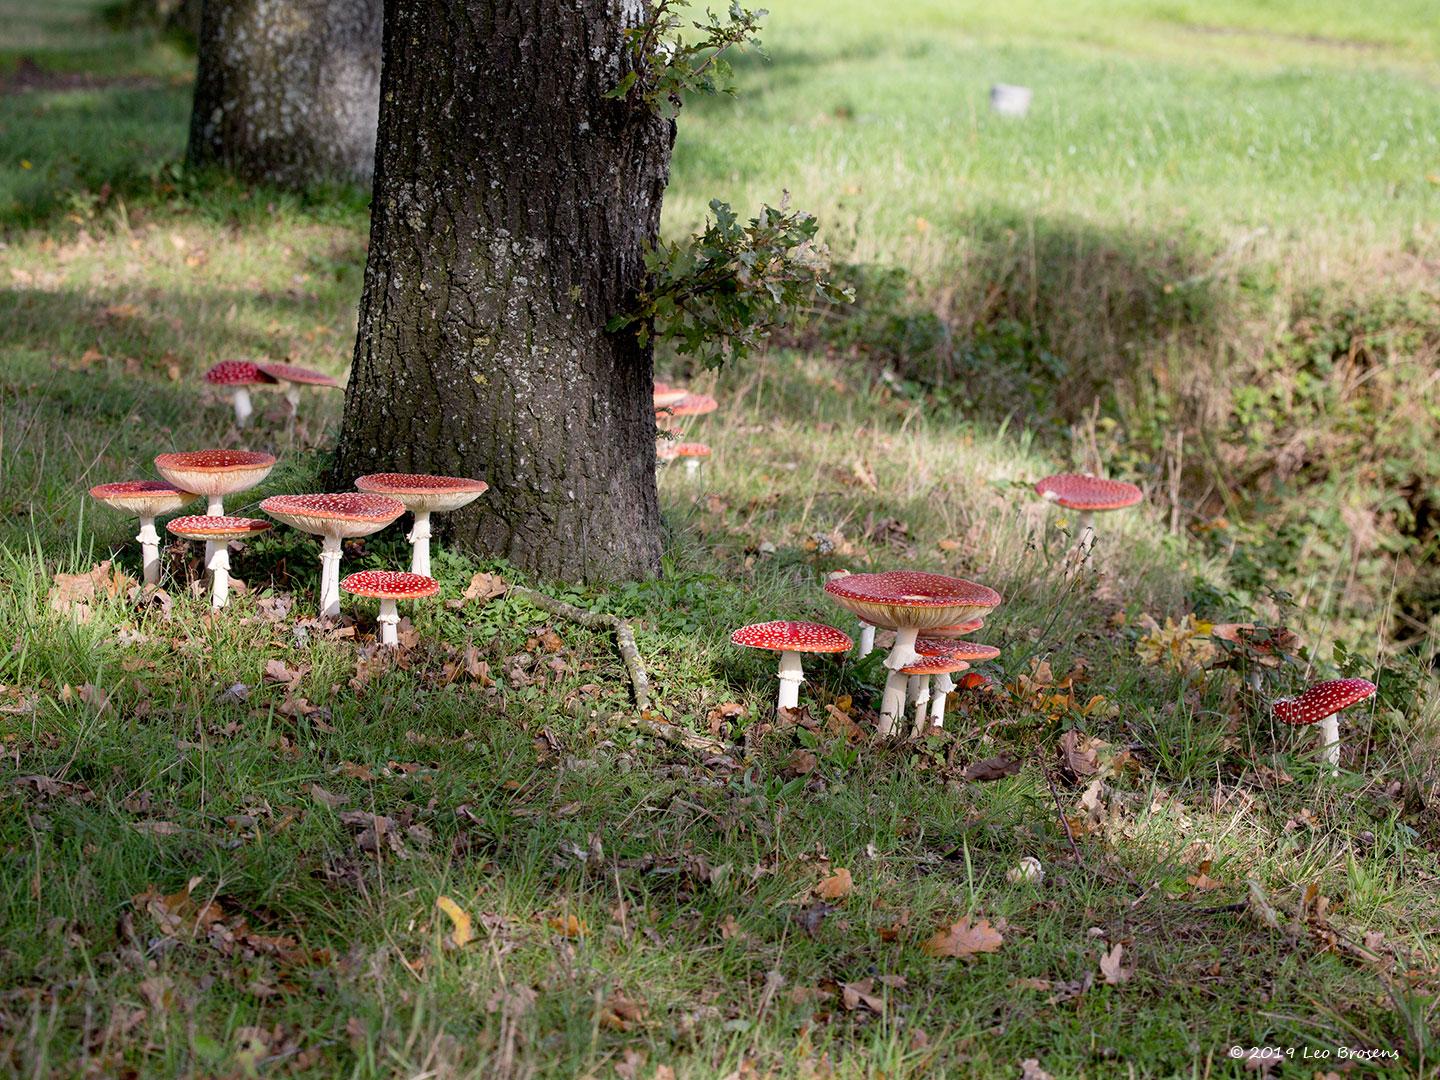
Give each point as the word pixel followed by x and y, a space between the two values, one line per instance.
pixel 238 376
pixel 1322 704
pixel 217 532
pixel 1088 494
pixel 388 586
pixel 333 518
pixel 908 601
pixel 667 395
pixel 790 639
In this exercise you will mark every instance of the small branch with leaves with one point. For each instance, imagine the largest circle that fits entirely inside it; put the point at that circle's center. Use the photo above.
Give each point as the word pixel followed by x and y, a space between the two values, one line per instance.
pixel 716 295
pixel 666 65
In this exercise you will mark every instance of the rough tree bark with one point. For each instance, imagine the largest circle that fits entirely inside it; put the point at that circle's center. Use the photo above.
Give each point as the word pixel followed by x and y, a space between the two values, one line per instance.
pixel 288 91
pixel 513 202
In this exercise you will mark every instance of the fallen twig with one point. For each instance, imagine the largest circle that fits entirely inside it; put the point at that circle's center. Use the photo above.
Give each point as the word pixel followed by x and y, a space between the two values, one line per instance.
pixel 598 620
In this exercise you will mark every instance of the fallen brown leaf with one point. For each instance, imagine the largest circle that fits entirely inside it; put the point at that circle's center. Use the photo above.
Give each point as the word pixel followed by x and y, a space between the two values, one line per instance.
pixel 963 938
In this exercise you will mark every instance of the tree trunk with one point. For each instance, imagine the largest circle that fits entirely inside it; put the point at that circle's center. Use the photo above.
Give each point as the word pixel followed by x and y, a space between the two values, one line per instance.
pixel 288 91
pixel 513 202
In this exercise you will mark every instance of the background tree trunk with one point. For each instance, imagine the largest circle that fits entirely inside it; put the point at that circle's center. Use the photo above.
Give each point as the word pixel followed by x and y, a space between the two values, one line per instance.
pixel 288 91
pixel 513 202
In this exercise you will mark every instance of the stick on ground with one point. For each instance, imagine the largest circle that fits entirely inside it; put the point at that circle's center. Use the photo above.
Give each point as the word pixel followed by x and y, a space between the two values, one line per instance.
pixel 598 620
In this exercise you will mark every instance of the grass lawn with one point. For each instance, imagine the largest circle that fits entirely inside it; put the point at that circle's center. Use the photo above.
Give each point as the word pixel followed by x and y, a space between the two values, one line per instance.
pixel 227 838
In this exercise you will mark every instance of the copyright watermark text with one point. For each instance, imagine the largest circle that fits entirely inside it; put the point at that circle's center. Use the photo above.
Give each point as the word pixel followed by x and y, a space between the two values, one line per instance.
pixel 1311 1053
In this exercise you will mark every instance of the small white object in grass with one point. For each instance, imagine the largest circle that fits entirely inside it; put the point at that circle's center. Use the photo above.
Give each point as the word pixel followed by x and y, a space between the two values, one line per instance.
pixel 1008 99
pixel 1028 870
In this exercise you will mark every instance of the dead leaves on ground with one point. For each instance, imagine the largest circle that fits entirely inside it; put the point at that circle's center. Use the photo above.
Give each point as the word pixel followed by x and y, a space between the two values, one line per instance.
pixel 199 918
pixel 76 594
pixel 963 939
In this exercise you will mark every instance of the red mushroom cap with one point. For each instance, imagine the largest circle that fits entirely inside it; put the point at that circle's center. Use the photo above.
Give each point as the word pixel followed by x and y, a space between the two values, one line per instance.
pixel 390 585
pixel 142 497
pixel 911 598
pixel 204 527
pixel 423 493
pixel 973 681
pixel 667 395
pixel 215 472
pixel 1322 700
pixel 691 449
pixel 1081 491
pixel 295 374
pixel 344 515
pixel 237 373
pixel 783 636
pixel 936 664
pixel 962 650
pixel 342 506
pixel 215 461
pixel 694 405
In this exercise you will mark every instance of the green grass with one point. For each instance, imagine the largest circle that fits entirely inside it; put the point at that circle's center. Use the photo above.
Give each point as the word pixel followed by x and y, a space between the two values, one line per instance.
pixel 131 763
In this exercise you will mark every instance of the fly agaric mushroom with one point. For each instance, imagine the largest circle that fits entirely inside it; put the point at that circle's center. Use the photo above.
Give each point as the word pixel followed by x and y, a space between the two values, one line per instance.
pixel 1321 704
pixel 293 377
pixel 790 639
pixel 689 405
pixel 423 495
pixel 217 532
pixel 1255 646
pixel 908 601
pixel 238 376
pixel 667 395
pixel 145 499
pixel 333 518
pixel 1088 494
pixel 215 474
pixel 931 663
pixel 693 453
pixel 388 586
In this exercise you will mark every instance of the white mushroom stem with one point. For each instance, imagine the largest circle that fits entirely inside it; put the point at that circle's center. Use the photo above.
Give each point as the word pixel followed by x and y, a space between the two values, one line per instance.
pixel 791 676
pixel 149 541
pixel 292 395
pixel 1330 741
pixel 330 577
pixel 218 563
pixel 692 466
pixel 388 619
pixel 921 697
pixel 420 543
pixel 943 685
pixel 867 640
pixel 214 507
pixel 243 407
pixel 892 704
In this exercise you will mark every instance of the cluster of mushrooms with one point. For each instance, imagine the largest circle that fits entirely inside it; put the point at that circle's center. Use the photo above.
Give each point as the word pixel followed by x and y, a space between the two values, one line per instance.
pixel 931 615
pixel 909 603
pixel 945 610
pixel 214 475
pixel 676 403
